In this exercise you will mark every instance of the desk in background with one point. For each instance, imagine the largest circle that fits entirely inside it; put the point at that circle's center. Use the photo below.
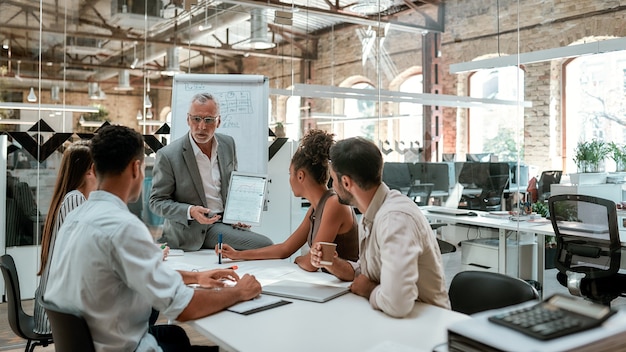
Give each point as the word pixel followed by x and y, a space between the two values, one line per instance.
pixel 502 224
pixel 346 323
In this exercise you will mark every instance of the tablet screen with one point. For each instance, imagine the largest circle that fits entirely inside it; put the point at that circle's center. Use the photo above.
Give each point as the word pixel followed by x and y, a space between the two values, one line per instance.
pixel 246 197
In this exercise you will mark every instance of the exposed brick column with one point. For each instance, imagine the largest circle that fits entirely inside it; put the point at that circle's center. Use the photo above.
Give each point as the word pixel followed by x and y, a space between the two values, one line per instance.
pixel 433 117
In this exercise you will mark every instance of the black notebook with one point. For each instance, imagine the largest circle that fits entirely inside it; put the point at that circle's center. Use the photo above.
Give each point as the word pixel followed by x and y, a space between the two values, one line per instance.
pixel 261 303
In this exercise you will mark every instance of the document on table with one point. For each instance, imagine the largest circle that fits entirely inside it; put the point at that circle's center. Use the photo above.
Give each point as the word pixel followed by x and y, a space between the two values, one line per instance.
pixel 258 304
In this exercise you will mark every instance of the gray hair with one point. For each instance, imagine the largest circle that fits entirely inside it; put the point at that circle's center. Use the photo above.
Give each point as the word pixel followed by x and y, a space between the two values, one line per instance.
pixel 203 98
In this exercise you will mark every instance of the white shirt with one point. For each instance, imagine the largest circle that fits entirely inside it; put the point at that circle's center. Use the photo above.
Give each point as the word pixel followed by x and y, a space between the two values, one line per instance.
pixel 209 169
pixel 107 266
pixel 399 251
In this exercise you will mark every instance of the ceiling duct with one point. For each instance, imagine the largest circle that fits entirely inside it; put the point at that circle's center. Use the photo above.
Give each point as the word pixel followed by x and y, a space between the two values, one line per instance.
pixel 370 7
pixel 132 14
pixel 123 81
pixel 259 38
pixel 86 46
pixel 173 65
pixel 94 91
pixel 55 91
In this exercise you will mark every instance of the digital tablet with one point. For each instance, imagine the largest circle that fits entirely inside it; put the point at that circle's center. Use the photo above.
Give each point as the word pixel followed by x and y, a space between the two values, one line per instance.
pixel 246 198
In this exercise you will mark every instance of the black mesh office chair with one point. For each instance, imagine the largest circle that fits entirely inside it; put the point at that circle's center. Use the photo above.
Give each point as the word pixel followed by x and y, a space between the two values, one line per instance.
pixel 546 179
pixel 420 194
pixel 588 249
pixel 476 291
pixel 69 329
pixel 21 323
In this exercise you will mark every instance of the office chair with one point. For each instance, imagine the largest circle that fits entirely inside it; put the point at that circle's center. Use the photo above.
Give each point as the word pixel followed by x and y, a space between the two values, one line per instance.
pixel 476 291
pixel 546 179
pixel 21 323
pixel 490 197
pixel 588 249
pixel 69 329
pixel 444 246
pixel 420 194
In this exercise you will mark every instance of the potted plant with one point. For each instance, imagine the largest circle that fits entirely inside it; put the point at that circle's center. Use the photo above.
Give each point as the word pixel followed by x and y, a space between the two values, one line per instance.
pixel 589 158
pixel 279 130
pixel 549 241
pixel 618 153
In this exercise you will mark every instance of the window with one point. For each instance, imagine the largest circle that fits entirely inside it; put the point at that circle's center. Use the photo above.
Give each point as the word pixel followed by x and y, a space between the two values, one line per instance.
pixel 410 124
pixel 595 106
pixel 356 112
pixel 495 130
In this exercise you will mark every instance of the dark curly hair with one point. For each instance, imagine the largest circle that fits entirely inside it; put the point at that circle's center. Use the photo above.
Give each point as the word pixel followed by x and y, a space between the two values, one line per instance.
pixel 312 155
pixel 114 147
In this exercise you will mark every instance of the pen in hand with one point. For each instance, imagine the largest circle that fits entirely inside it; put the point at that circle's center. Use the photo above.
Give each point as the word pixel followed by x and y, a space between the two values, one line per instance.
pixel 219 248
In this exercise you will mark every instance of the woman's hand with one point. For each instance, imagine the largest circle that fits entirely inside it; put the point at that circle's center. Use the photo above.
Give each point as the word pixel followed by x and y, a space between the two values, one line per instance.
pixel 227 251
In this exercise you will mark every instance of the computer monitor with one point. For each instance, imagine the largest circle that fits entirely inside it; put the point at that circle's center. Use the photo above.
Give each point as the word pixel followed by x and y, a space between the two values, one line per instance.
pixel 448 157
pixel 396 175
pixel 478 157
pixel 520 180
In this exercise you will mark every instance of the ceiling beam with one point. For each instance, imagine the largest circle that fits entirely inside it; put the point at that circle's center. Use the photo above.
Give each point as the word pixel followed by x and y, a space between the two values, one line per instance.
pixel 341 16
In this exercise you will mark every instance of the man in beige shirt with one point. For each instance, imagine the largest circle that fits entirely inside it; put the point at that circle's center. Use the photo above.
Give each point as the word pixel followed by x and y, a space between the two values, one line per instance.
pixel 399 258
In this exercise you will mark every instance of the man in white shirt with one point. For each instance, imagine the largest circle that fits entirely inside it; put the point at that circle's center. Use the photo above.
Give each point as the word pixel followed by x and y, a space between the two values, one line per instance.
pixel 190 183
pixel 399 258
pixel 106 266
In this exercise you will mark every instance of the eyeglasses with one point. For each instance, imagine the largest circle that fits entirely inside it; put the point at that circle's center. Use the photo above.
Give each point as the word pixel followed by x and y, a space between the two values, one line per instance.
pixel 209 120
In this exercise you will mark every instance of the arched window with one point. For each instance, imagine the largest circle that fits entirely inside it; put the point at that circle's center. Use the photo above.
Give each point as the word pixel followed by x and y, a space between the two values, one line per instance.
pixel 494 130
pixel 595 107
pixel 292 117
pixel 360 115
pixel 410 124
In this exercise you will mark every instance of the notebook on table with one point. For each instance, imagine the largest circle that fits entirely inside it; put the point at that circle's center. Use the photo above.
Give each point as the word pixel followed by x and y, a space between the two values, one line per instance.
pixel 450 211
pixel 304 290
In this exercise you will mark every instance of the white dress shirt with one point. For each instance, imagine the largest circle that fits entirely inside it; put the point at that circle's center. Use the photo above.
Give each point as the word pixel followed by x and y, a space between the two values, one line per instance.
pixel 107 266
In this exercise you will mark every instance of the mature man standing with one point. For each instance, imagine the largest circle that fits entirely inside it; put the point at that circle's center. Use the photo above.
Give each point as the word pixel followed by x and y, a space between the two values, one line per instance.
pixel 399 258
pixel 190 184
pixel 107 267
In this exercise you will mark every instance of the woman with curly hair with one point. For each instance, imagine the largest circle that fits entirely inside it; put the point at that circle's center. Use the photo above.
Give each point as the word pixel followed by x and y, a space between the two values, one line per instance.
pixel 327 220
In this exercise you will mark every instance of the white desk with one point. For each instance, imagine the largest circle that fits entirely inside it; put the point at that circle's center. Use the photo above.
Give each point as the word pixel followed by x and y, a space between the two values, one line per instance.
pixel 483 219
pixel 502 225
pixel 346 323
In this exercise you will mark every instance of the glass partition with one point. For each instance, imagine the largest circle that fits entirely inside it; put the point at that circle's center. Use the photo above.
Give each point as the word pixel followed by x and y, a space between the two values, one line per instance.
pixel 427 81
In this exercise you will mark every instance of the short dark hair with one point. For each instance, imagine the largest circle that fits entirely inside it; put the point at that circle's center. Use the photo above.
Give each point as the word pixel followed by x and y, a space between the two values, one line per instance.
pixel 114 147
pixel 359 159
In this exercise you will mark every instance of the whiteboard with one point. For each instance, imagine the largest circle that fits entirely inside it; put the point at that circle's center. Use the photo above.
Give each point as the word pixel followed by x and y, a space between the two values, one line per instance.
pixel 244 107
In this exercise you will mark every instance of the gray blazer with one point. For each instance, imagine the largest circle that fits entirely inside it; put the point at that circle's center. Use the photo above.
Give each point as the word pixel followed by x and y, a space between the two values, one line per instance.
pixel 177 184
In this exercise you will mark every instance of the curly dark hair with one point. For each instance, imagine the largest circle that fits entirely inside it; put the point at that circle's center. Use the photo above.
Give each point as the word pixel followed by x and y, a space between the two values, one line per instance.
pixel 114 147
pixel 312 155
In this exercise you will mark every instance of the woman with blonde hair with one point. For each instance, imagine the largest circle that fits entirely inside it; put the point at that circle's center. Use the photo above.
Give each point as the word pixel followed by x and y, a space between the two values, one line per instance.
pixel 76 179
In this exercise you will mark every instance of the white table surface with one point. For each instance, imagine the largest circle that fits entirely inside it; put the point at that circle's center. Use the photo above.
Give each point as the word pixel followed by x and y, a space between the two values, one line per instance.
pixel 346 323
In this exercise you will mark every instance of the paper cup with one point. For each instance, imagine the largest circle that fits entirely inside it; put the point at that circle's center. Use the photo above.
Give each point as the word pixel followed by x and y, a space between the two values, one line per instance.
pixel 328 252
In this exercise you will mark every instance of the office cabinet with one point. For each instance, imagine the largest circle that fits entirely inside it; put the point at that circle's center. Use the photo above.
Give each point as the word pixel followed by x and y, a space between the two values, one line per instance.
pixel 482 254
pixel 611 191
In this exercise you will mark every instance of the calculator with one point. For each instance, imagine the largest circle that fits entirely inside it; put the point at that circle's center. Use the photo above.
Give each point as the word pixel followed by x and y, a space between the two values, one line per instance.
pixel 557 316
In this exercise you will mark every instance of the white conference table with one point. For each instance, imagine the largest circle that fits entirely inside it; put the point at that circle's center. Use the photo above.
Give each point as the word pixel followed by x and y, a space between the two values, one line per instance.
pixel 346 323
